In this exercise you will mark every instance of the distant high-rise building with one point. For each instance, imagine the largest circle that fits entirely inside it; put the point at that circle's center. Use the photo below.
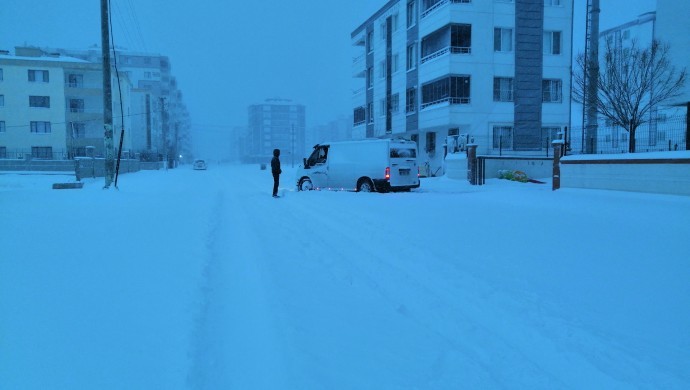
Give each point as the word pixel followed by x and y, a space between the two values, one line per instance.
pixel 275 124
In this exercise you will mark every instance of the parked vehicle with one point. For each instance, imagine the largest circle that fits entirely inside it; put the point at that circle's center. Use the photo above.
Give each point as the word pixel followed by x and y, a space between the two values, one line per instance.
pixel 363 165
pixel 199 164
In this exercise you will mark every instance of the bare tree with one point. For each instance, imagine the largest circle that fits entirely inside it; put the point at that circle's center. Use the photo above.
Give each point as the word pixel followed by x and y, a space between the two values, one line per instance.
pixel 632 82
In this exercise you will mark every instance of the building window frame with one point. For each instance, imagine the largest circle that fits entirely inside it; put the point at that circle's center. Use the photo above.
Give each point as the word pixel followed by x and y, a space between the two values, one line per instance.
pixel 38 76
pixel 411 100
pixel 76 105
pixel 502 137
pixel 504 89
pixel 453 89
pixel 39 101
pixel 40 127
pixel 411 14
pixel 553 43
pixel 42 152
pixel 412 56
pixel 503 39
pixel 552 91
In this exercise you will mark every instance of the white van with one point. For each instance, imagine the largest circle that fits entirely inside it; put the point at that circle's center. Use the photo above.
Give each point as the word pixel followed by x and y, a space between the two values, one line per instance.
pixel 362 165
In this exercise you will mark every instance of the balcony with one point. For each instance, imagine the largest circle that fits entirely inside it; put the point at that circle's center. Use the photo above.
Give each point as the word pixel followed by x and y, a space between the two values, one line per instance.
pixel 446 50
pixel 359 66
pixel 440 4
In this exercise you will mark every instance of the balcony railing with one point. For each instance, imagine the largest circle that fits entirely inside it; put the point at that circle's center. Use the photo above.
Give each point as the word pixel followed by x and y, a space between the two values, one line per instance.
pixel 442 3
pixel 450 100
pixel 446 50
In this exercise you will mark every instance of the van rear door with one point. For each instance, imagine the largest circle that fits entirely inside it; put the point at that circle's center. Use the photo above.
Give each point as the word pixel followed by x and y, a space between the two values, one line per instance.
pixel 403 170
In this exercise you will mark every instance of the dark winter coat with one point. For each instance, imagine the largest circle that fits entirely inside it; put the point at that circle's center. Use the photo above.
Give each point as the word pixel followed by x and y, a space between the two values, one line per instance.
pixel 275 163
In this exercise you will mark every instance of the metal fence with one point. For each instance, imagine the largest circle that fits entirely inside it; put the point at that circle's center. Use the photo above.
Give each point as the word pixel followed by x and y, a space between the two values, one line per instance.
pixel 668 135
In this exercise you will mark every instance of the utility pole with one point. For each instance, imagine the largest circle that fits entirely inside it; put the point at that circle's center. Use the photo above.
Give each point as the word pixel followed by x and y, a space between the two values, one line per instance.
pixel 592 78
pixel 107 97
pixel 164 133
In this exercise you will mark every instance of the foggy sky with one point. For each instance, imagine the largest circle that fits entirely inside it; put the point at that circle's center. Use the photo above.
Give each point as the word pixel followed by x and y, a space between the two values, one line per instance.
pixel 229 54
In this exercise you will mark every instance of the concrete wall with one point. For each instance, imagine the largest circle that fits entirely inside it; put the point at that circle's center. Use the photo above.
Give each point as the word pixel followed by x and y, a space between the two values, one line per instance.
pixel 666 173
pixel 84 167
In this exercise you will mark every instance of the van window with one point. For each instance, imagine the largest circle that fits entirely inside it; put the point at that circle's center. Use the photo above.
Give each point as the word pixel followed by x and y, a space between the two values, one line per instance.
pixel 403 153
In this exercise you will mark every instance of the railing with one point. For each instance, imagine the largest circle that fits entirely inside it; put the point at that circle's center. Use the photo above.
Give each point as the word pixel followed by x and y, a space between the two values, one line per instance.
pixel 358 58
pixel 669 135
pixel 442 3
pixel 446 50
pixel 450 100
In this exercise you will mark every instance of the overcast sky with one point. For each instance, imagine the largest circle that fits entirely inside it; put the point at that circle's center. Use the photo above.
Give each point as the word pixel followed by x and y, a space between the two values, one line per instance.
pixel 229 54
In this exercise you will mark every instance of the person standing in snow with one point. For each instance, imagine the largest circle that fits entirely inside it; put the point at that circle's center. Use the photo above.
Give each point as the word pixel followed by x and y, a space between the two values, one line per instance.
pixel 275 169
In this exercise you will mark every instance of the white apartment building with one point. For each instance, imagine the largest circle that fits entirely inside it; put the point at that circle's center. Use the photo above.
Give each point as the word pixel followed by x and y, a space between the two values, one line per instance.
pixel 669 29
pixel 51 107
pixel 159 120
pixel 496 72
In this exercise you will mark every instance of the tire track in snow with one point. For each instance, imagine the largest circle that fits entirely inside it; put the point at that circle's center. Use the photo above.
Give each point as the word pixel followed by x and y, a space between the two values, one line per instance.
pixel 235 341
pixel 206 351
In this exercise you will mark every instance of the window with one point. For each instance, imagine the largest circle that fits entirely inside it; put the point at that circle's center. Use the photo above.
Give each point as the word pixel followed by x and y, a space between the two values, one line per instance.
pixel 394 64
pixel 39 101
pixel 370 112
pixel 411 100
pixel 370 77
pixel 382 107
pixel 456 38
pixel 411 56
pixel 75 80
pixel 503 89
pixel 430 141
pixel 552 2
pixel 44 152
pixel 503 137
pixel 2 100
pixel 370 41
pixel 2 77
pixel 3 128
pixel 3 152
pixel 461 38
pixel 552 91
pixel 394 22
pixel 503 39
pixel 40 127
pixel 76 105
pixel 78 130
pixel 41 76
pixel 411 13
pixel 382 69
pixel 453 89
pixel 360 116
pixel 395 103
pixel 552 42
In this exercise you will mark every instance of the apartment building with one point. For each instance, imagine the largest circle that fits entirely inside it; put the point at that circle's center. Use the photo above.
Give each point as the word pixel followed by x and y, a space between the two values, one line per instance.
pixel 51 106
pixel 159 120
pixel 666 122
pixel 494 72
pixel 276 124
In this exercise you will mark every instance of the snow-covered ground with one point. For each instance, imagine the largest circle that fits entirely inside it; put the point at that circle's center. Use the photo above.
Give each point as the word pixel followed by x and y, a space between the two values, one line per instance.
pixel 199 279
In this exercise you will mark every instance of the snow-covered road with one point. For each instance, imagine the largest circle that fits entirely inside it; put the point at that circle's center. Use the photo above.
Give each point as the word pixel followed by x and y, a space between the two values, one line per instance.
pixel 507 285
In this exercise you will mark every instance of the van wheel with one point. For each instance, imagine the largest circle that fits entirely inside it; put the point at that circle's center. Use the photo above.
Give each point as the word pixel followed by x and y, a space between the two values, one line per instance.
pixel 305 185
pixel 365 185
